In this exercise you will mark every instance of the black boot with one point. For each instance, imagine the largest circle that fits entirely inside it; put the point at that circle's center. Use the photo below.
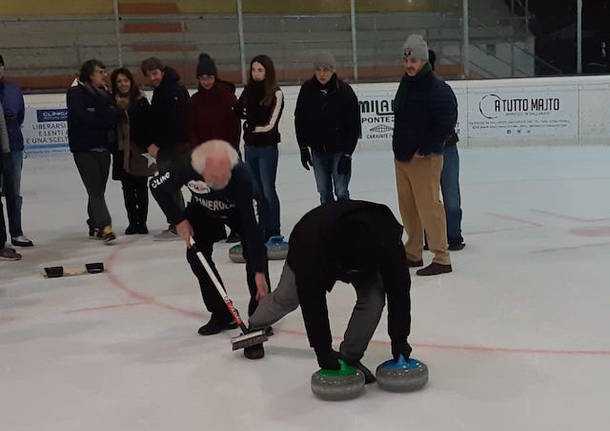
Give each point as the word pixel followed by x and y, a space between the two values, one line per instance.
pixel 214 326
pixel 369 377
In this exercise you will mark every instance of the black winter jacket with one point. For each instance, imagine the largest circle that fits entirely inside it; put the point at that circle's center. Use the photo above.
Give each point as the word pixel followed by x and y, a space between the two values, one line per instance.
pixel 425 114
pixel 169 112
pixel 320 255
pixel 92 118
pixel 327 118
pixel 262 121
pixel 231 205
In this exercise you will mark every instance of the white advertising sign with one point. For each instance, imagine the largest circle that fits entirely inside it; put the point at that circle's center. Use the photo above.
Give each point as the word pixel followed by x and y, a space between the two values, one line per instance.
pixel 45 131
pixel 516 113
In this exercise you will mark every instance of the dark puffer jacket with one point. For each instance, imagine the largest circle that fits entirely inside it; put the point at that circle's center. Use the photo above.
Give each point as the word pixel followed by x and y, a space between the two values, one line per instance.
pixel 92 118
pixel 327 117
pixel 169 111
pixel 425 114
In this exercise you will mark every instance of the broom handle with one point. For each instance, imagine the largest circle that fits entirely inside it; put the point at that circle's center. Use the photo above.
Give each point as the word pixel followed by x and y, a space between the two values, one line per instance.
pixel 221 290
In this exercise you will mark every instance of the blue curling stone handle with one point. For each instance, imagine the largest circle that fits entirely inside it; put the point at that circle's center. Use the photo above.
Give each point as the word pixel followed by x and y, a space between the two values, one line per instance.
pixel 401 363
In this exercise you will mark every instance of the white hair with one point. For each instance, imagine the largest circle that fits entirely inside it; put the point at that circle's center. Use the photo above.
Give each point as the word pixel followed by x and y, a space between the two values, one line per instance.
pixel 212 147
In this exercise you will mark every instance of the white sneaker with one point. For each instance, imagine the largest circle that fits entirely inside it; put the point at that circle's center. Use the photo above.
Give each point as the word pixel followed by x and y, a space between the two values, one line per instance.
pixel 167 235
pixel 21 241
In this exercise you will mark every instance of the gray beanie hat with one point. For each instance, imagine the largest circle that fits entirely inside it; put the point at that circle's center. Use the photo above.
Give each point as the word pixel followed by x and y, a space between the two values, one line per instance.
pixel 324 59
pixel 415 47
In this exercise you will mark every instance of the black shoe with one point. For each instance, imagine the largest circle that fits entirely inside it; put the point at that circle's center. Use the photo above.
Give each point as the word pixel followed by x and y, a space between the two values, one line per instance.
pixel 414 263
pixel 142 229
pixel 369 377
pixel 233 237
pixel 214 327
pixel 456 246
pixel 434 269
pixel 22 241
pixel 254 352
pixel 132 229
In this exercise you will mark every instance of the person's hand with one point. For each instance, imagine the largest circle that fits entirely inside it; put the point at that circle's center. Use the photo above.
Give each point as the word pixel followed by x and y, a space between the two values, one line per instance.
pixel 153 150
pixel 262 288
pixel 306 158
pixel 185 231
pixel 329 361
pixel 345 164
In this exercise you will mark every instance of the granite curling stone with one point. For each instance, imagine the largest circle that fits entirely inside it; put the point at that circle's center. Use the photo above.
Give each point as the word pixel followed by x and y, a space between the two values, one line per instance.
pixel 336 385
pixel 402 375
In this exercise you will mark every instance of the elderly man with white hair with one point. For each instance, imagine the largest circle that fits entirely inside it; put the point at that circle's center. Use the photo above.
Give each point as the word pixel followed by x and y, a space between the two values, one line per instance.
pixel 222 194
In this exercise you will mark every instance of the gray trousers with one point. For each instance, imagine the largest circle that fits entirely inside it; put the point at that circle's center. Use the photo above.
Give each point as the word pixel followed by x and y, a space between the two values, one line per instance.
pixel 94 167
pixel 362 324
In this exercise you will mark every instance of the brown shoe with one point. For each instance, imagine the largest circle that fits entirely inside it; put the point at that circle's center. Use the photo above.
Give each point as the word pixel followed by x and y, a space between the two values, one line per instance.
pixel 414 263
pixel 8 253
pixel 434 269
pixel 255 352
pixel 106 234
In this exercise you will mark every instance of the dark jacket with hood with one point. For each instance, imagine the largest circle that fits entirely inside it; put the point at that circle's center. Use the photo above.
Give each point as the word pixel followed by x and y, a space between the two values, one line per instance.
pixel 343 241
pixel 14 112
pixel 92 118
pixel 327 117
pixel 262 121
pixel 169 112
pixel 212 116
pixel 425 114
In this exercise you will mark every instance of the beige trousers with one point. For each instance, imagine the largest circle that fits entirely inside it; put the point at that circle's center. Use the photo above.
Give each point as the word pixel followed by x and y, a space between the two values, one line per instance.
pixel 418 183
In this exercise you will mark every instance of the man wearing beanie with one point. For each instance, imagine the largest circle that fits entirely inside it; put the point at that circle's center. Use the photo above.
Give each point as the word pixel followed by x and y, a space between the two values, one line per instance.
pixel 13 106
pixel 425 114
pixel 327 121
pixel 211 113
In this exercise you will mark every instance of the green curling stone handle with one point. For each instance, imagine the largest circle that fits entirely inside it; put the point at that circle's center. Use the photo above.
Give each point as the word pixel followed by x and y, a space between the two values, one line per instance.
pixel 345 370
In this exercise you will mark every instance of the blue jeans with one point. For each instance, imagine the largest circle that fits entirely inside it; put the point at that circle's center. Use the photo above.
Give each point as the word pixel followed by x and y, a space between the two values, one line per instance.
pixel 450 187
pixel 326 173
pixel 262 164
pixel 12 196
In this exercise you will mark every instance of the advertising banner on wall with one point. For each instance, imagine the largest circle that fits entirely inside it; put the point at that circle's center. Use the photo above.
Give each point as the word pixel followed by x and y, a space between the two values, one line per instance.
pixel 522 112
pixel 45 132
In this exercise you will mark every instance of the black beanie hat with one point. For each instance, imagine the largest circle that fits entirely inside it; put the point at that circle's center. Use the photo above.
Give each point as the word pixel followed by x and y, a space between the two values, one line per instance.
pixel 205 66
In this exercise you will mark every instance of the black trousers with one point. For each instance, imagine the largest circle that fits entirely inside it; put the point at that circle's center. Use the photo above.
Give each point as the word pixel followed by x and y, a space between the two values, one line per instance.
pixel 135 193
pixel 208 230
pixel 167 158
pixel 94 168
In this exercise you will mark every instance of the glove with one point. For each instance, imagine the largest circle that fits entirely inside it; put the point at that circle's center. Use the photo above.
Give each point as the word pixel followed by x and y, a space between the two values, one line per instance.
pixel 329 360
pixel 306 158
pixel 345 164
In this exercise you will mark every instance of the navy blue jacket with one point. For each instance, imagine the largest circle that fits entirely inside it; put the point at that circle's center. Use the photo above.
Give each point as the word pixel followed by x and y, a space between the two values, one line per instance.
pixel 92 119
pixel 14 112
pixel 425 114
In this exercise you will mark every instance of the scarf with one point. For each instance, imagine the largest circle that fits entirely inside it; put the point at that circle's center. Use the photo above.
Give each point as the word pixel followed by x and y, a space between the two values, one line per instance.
pixel 401 94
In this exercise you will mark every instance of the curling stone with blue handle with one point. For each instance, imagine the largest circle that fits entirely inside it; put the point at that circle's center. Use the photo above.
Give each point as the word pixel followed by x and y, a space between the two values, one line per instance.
pixel 402 375
pixel 337 385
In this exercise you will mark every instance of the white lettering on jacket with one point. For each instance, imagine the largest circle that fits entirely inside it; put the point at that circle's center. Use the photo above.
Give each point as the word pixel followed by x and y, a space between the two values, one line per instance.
pixel 156 182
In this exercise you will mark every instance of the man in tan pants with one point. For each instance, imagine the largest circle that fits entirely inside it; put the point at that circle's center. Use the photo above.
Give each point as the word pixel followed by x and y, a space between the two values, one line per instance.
pixel 425 113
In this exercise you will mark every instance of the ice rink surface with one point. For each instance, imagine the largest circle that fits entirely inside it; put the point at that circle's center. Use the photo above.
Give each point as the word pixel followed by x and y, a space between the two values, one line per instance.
pixel 516 338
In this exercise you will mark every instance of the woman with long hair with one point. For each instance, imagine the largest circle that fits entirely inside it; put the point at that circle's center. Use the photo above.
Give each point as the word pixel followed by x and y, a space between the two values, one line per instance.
pixel 261 104
pixel 131 166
